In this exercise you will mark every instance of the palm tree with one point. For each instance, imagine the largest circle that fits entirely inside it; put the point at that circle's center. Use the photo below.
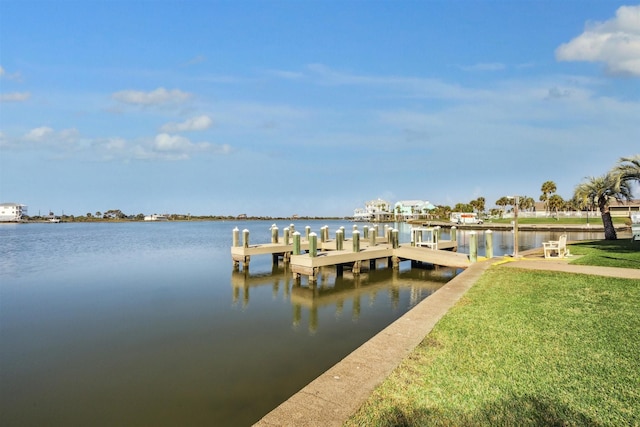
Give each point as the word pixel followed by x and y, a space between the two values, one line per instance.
pixel 548 187
pixel 526 203
pixel 555 203
pixel 600 190
pixel 629 168
pixel 502 202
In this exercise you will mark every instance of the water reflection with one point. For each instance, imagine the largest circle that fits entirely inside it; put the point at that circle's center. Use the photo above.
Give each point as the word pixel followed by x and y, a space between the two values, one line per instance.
pixel 339 290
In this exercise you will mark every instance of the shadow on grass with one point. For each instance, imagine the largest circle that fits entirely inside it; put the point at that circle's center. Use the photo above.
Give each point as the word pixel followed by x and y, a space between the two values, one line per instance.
pixel 620 245
pixel 519 411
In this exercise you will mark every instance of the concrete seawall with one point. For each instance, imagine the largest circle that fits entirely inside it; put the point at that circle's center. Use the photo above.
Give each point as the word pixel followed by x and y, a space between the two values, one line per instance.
pixel 335 395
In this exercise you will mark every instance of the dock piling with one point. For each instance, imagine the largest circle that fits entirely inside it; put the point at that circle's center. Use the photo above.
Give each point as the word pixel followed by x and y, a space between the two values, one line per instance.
pixel 236 237
pixel 356 240
pixel 473 246
pixel 488 243
pixel 245 238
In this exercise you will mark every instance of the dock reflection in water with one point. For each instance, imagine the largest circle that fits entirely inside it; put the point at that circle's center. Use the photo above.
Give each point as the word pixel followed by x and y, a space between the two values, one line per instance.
pixel 336 290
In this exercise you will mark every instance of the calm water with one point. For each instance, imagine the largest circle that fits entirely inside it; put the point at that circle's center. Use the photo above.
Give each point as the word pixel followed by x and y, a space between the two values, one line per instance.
pixel 147 324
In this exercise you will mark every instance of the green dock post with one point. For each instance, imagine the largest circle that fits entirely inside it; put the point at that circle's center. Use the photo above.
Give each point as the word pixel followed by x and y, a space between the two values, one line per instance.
pixel 313 245
pixel 366 232
pixel 339 239
pixel 376 230
pixel 372 237
pixel 296 243
pixel 356 241
pixel 488 244
pixel 245 238
pixel 355 227
pixel 292 228
pixel 274 234
pixel 307 231
pixel 323 235
pixel 236 237
pixel 454 236
pixel 473 246
pixel 285 235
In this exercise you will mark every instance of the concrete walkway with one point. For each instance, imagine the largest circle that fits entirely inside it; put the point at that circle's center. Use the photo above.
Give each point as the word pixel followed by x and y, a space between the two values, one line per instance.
pixel 336 394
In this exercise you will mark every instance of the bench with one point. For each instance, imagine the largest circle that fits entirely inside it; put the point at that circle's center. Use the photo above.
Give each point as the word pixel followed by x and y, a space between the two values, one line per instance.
pixel 557 247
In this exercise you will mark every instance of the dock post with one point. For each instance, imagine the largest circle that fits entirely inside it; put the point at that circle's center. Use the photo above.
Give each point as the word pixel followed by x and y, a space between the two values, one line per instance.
pixel 296 243
pixel 454 237
pixel 245 238
pixel 372 238
pixel 365 229
pixel 307 231
pixel 356 241
pixel 355 227
pixel 488 243
pixel 473 246
pixel 274 234
pixel 339 239
pixel 313 245
pixel 285 235
pixel 376 230
pixel 292 228
pixel 236 237
pixel 395 238
pixel 323 235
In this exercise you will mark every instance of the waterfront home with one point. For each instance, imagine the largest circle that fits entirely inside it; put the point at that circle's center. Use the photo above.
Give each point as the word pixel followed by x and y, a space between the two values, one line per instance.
pixel 156 217
pixel 375 211
pixel 12 212
pixel 405 210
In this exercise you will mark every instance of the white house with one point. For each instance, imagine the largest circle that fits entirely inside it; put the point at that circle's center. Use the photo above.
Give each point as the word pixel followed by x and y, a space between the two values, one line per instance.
pixel 374 210
pixel 156 217
pixel 12 212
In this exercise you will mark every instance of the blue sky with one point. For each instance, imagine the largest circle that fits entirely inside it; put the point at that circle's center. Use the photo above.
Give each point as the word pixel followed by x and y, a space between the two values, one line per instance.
pixel 309 107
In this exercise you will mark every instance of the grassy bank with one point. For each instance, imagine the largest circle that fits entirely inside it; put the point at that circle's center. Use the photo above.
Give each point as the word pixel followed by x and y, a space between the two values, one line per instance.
pixel 523 348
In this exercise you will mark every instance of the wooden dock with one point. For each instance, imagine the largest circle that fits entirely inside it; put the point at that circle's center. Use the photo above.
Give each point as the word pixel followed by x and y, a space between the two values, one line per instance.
pixel 310 255
pixel 306 265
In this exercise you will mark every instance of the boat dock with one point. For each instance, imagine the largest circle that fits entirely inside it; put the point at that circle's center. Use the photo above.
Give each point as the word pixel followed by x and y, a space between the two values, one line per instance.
pixel 307 256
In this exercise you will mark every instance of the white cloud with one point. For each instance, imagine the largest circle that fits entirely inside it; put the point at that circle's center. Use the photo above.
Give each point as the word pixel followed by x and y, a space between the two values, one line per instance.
pixel 485 66
pixel 615 42
pixel 166 142
pixel 14 97
pixel 5 75
pixel 193 124
pixel 155 97
pixel 39 134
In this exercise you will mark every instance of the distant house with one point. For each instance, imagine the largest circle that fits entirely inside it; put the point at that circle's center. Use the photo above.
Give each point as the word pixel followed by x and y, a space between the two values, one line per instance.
pixel 374 210
pixel 412 209
pixel 624 209
pixel 12 212
pixel 156 217
pixel 242 216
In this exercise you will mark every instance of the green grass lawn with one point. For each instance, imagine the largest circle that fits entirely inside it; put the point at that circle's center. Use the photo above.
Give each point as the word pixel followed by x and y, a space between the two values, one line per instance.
pixel 623 253
pixel 594 220
pixel 524 348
